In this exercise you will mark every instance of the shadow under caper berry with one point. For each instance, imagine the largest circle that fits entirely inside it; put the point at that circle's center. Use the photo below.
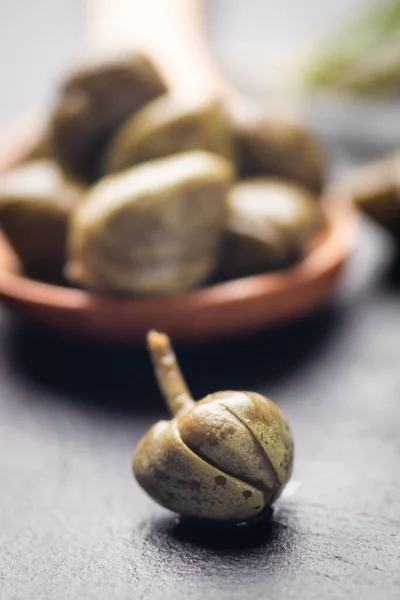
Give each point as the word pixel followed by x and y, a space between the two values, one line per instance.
pixel 166 537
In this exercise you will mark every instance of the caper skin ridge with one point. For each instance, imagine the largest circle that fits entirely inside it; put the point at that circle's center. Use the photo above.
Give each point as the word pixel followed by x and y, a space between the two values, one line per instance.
pixel 224 458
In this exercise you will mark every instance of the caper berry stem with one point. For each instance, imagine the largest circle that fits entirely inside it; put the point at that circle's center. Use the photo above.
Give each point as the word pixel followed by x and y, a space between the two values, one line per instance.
pixel 169 376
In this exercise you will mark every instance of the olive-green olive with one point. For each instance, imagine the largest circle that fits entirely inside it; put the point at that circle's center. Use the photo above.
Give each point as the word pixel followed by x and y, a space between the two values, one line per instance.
pixel 166 126
pixel 224 458
pixel 93 103
pixel 151 229
pixel 35 201
pixel 278 148
pixel 375 189
pixel 269 225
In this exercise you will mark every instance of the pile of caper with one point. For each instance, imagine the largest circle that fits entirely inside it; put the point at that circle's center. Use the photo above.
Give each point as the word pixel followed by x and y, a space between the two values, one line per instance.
pixel 131 190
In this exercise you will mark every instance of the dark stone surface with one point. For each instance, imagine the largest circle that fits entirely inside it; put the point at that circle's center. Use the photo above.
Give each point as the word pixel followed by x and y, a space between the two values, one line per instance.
pixel 74 525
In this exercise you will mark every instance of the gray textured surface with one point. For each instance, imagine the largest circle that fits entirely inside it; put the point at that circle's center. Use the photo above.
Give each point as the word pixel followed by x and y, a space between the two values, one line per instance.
pixel 74 525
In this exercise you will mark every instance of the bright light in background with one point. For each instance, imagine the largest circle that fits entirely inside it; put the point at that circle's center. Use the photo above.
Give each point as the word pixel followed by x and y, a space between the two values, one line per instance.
pixel 259 43
pixel 255 41
pixel 39 41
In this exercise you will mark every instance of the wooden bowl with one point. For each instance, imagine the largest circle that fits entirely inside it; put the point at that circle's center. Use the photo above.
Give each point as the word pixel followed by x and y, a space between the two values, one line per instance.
pixel 178 46
pixel 210 313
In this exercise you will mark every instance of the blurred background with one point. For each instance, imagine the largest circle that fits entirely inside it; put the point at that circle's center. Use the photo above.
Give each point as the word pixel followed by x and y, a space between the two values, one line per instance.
pixel 336 63
pixel 263 47
pixel 39 41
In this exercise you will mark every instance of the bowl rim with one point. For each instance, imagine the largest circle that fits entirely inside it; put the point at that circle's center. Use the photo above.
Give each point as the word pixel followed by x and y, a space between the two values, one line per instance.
pixel 341 220
pixel 329 251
